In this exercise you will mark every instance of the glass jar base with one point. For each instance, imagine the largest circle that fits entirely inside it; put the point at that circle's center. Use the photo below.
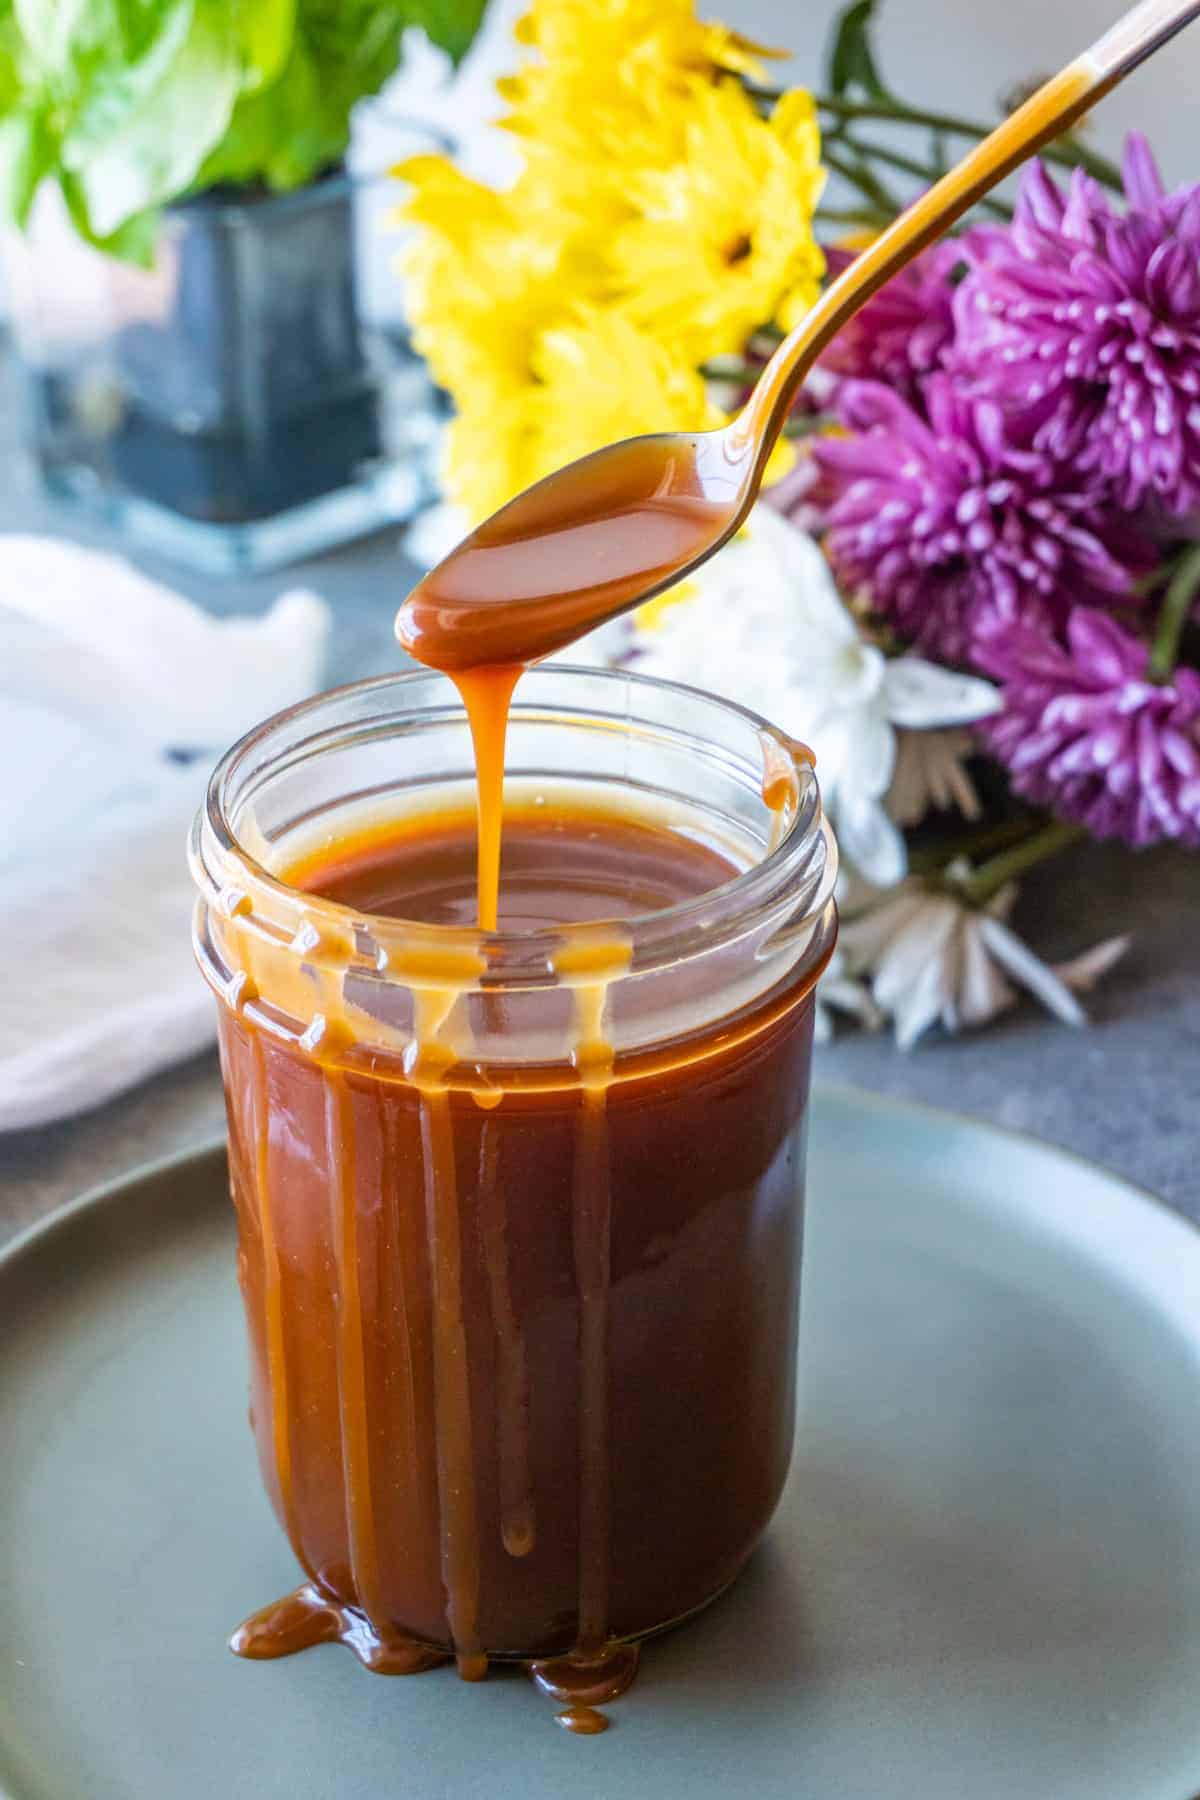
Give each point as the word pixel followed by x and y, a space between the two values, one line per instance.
pixel 307 1617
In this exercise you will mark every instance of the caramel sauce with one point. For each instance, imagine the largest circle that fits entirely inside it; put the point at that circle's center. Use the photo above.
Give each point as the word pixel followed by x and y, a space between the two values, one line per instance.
pixel 576 549
pixel 454 1284
pixel 309 1616
pixel 584 1721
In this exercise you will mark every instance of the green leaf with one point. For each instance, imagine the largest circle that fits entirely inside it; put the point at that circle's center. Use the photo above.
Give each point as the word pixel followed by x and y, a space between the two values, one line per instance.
pixel 131 103
pixel 134 241
pixel 283 134
pixel 851 61
pixel 49 30
pixel 286 132
pixel 451 24
pixel 265 30
pixel 11 85
pixel 80 44
pixel 28 149
pixel 153 153
pixel 101 90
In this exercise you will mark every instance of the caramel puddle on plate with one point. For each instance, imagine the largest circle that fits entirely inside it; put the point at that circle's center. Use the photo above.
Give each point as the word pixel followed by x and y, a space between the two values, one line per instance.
pixel 583 1721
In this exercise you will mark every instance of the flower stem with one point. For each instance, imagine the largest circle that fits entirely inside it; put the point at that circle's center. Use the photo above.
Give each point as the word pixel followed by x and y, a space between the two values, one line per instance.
pixel 868 183
pixel 1068 151
pixel 852 215
pixel 802 425
pixel 983 883
pixel 732 370
pixel 932 859
pixel 908 165
pixel 1176 608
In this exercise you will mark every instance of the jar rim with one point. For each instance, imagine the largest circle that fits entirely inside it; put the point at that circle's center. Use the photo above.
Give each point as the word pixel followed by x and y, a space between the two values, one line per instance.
pixel 801 867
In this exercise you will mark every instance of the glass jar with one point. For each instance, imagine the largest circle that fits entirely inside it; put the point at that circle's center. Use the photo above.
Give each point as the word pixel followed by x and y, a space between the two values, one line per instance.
pixel 523 1339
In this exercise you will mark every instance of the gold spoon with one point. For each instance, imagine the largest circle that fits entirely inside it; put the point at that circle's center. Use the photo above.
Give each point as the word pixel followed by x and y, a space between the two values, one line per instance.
pixel 611 530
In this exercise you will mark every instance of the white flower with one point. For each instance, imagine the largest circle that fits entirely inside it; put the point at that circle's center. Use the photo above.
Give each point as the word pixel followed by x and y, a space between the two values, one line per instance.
pixel 767 627
pixel 930 772
pixel 932 957
pixel 838 992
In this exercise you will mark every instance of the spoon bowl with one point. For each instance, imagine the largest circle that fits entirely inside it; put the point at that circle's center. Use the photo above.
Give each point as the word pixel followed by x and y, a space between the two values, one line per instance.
pixel 581 546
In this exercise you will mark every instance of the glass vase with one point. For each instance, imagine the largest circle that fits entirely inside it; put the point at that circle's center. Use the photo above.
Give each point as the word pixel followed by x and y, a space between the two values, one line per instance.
pixel 232 406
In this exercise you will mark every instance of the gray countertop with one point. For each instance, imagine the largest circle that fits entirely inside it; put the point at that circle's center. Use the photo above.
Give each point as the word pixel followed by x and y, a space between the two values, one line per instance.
pixel 1123 1092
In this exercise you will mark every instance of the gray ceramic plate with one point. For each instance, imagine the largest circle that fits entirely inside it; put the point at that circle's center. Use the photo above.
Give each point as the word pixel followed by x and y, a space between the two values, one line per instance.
pixel 983 1584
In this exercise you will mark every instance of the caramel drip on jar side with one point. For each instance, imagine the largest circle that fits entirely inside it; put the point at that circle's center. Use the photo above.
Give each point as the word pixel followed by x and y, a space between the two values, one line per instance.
pixel 781 782
pixel 351 1362
pixel 588 965
pixel 452 1393
pixel 517 1518
pixel 591 1228
pixel 399 1273
pixel 277 1372
pixel 311 1615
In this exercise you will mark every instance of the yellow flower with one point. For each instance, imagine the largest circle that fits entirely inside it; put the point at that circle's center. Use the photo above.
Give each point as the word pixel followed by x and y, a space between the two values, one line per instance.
pixel 658 221
pixel 723 239
pixel 594 53
pixel 487 451
pixel 600 379
pixel 593 378
pixel 487 271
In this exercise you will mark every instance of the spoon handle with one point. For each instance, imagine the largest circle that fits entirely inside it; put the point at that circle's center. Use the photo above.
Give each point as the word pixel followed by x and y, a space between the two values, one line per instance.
pixel 1144 29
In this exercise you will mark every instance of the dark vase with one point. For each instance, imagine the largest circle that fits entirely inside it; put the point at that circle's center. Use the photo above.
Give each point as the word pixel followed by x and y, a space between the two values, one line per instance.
pixel 229 405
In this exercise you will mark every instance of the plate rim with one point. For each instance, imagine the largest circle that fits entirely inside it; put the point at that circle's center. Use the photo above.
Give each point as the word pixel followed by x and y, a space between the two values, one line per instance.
pixel 31 1237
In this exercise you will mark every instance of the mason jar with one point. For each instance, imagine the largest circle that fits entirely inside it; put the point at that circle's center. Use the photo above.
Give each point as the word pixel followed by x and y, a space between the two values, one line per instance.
pixel 522 1315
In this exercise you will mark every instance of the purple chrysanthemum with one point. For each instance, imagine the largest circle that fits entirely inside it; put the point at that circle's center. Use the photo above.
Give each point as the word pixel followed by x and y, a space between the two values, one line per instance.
pixel 901 336
pixel 954 530
pixel 1085 732
pixel 1090 319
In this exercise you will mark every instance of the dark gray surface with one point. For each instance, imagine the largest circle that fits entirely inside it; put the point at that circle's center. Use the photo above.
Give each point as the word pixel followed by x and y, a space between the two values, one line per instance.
pixel 1124 1092
pixel 996 1595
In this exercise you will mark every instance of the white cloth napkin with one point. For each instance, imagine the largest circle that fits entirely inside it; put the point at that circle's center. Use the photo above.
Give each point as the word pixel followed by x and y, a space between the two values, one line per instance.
pixel 116 696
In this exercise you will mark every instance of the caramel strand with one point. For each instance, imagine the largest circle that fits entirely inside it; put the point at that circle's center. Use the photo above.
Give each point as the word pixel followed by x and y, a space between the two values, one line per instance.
pixel 455 1455
pixel 273 1306
pixel 351 1367
pixel 517 1526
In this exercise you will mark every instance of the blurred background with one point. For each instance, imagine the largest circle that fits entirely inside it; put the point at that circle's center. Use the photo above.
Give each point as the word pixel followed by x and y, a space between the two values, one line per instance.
pixel 966 58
